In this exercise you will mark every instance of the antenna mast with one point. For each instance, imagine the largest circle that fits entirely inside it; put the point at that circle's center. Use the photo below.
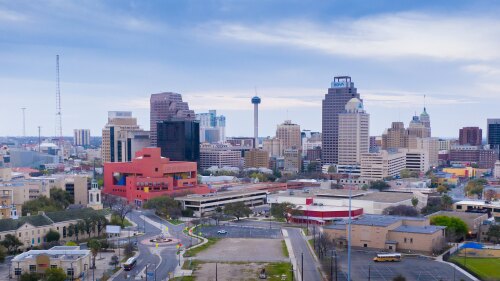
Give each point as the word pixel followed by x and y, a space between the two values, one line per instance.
pixel 58 112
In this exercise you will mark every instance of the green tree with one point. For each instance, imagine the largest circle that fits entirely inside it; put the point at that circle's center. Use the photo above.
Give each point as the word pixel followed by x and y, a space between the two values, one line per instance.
pixel 406 173
pixel 237 209
pixel 122 208
pixel 441 189
pixel 52 236
pixel 164 206
pixel 400 210
pixel 446 202
pixel 414 202
pixel 475 187
pixel 55 274
pixel 490 195
pixel 379 185
pixel 71 230
pixel 71 243
pixel 455 227
pixel 280 210
pixel 114 261
pixel 128 250
pixel 41 203
pixel 61 197
pixel 494 233
pixel 11 242
pixel 30 276
pixel 94 246
pixel 3 253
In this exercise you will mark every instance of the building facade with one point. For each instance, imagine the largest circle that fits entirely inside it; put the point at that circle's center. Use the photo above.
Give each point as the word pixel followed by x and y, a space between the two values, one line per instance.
pixel 470 136
pixel 377 166
pixel 179 140
pixel 341 91
pixel 150 175
pixel 212 127
pixel 119 123
pixel 256 158
pixel 167 106
pixel 274 146
pixel 290 135
pixel 353 134
pixel 81 137
pixel 292 160
pixel 219 156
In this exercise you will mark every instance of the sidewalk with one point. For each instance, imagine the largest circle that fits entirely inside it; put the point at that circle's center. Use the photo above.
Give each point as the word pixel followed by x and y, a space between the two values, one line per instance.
pixel 293 259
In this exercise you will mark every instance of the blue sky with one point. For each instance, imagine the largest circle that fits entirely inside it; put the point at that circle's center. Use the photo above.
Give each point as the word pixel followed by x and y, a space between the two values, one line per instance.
pixel 114 54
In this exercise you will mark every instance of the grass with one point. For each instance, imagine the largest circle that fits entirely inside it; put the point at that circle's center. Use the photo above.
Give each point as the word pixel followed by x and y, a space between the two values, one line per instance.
pixel 175 221
pixel 193 252
pixel 284 249
pixel 311 242
pixel 183 278
pixel 115 220
pixel 275 270
pixel 485 268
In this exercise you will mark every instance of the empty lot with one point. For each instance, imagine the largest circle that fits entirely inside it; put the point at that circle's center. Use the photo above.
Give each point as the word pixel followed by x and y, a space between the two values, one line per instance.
pixel 244 250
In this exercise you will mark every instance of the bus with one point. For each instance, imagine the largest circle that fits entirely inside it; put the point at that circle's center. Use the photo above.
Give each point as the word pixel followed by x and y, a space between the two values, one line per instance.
pixel 387 257
pixel 129 264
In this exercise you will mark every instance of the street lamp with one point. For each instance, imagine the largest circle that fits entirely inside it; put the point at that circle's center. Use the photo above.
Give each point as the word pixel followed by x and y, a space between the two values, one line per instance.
pixel 349 229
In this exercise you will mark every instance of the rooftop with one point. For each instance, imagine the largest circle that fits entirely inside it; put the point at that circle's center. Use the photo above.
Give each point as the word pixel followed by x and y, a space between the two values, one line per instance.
pixel 218 195
pixel 12 224
pixel 429 229
pixel 66 253
pixel 382 220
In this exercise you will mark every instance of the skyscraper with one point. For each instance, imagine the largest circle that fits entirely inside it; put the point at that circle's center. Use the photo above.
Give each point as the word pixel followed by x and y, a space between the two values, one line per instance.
pixel 290 136
pixel 341 91
pixel 81 137
pixel 493 132
pixel 212 127
pixel 471 136
pixel 354 136
pixel 167 106
pixel 179 140
pixel 115 135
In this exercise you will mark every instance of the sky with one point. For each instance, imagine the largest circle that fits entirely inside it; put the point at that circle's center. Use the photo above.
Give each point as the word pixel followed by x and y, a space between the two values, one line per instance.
pixel 218 54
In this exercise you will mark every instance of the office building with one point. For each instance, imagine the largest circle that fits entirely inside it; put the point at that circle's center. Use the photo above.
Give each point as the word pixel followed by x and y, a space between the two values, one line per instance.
pixel 390 233
pixel 74 262
pixel 290 135
pixel 341 91
pixel 165 107
pixel 219 155
pixel 256 158
pixel 246 142
pixel 313 154
pixel 444 144
pixel 468 155
pixel 429 145
pixel 417 160
pixel 179 140
pixel 353 134
pixel 292 160
pixel 386 163
pixel 274 146
pixel 113 141
pixel 212 127
pixel 493 134
pixel 496 170
pixel 150 175
pixel 81 137
pixel 470 136
pixel 395 137
pixel 420 126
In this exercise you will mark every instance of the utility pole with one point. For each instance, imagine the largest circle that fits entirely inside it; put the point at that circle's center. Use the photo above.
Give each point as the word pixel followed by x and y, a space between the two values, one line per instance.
pixel 349 233
pixel 302 269
pixel 216 277
pixel 146 272
pixel 331 267
pixel 336 272
pixel 369 273
pixel 58 111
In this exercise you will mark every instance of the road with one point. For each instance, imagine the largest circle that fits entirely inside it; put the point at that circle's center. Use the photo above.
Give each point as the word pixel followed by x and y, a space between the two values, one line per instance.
pixel 149 255
pixel 299 244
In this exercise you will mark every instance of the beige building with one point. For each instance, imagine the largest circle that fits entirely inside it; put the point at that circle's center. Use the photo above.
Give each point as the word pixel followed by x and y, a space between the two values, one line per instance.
pixel 274 146
pixel 496 169
pixel 5 174
pixel 73 261
pixel 7 208
pixel 292 160
pixel 354 136
pixel 289 134
pixel 377 166
pixel 417 160
pixel 218 155
pixel 395 137
pixel 114 134
pixel 256 158
pixel 392 233
pixel 31 230
pixel 429 145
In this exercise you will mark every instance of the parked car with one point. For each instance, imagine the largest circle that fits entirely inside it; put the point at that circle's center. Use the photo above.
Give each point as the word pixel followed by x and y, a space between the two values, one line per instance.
pixel 222 231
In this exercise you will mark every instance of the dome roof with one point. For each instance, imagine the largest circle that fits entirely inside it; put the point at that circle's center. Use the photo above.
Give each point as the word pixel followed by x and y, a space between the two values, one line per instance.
pixel 256 100
pixel 354 104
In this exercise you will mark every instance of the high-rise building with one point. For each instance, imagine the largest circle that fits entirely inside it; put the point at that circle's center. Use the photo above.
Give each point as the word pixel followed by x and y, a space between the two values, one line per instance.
pixel 274 146
pixel 290 135
pixel 419 128
pixel 395 137
pixel 429 145
pixel 256 158
pixel 212 127
pixel 165 107
pixel 219 155
pixel 386 163
pixel 341 91
pixel 470 136
pixel 353 134
pixel 81 137
pixel 114 136
pixel 493 132
pixel 179 140
pixel 292 160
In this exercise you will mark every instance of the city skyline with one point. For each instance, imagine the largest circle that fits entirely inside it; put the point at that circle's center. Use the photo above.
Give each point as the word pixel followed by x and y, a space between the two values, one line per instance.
pixel 114 55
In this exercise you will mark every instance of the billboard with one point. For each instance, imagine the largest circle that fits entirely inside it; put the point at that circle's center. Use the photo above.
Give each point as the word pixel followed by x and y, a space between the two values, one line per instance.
pixel 114 229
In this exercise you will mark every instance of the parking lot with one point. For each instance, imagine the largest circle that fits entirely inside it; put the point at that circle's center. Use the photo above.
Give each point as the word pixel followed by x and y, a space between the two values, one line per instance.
pixel 240 232
pixel 244 250
pixel 412 268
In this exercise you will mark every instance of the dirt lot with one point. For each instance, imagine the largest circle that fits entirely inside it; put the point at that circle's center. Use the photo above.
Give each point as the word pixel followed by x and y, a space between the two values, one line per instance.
pixel 239 272
pixel 244 250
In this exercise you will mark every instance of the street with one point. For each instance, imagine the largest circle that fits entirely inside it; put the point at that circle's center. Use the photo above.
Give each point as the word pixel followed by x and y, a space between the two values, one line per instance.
pixel 299 244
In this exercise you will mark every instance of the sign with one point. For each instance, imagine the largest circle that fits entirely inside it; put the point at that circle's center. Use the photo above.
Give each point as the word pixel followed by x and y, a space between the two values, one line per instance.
pixel 114 229
pixel 339 84
pixel 166 228
pixel 150 274
pixel 156 245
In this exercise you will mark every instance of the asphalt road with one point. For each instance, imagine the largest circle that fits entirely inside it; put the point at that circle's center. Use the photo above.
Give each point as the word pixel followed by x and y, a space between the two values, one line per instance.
pixel 240 231
pixel 299 244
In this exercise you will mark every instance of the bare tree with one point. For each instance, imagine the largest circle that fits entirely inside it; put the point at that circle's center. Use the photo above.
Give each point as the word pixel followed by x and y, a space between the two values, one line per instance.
pixel 122 208
pixel 108 201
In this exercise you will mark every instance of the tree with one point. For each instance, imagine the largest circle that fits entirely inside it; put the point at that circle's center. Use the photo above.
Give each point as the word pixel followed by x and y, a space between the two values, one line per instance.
pixel 101 222
pixel 41 203
pixel 3 253
pixel 441 189
pixel 379 185
pixel 164 206
pixel 399 278
pixel 414 202
pixel 114 260
pixel 455 227
pixel 281 210
pixel 237 209
pixel 71 243
pixel 52 236
pixel 108 201
pixel 61 197
pixel 71 230
pixel 11 243
pixel 401 210
pixel 55 274
pixel 475 187
pixel 406 173
pixel 490 195
pixel 122 209
pixel 446 202
pixel 494 232
pixel 94 246
pixel 129 249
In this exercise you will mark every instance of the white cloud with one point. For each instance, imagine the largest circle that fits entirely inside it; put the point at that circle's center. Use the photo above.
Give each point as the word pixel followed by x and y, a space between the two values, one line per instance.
pixel 11 16
pixel 436 36
pixel 402 99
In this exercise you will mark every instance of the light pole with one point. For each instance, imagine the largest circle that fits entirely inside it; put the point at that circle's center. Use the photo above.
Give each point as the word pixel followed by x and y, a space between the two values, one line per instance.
pixel 302 269
pixel 349 231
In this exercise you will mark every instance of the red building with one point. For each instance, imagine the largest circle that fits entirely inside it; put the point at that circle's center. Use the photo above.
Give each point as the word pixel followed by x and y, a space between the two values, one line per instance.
pixel 149 175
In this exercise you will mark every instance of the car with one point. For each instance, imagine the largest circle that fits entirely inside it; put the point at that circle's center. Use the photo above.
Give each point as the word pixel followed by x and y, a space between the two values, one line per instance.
pixel 222 231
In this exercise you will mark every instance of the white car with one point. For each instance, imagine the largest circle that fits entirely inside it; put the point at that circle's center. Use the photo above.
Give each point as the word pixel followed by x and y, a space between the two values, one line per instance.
pixel 222 231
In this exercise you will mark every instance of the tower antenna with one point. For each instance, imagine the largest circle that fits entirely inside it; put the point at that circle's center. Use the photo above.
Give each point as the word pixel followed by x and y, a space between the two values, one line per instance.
pixel 24 121
pixel 58 111
pixel 424 101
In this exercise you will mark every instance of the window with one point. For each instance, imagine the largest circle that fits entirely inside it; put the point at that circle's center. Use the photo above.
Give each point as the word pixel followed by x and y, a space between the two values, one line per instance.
pixel 19 234
pixel 365 245
pixel 17 271
pixel 405 239
pixel 411 240
pixel 32 268
pixel 53 266
pixel 459 207
pixel 70 272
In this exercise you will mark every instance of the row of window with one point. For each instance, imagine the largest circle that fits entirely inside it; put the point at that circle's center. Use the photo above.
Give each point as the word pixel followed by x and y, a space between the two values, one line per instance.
pixel 32 268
